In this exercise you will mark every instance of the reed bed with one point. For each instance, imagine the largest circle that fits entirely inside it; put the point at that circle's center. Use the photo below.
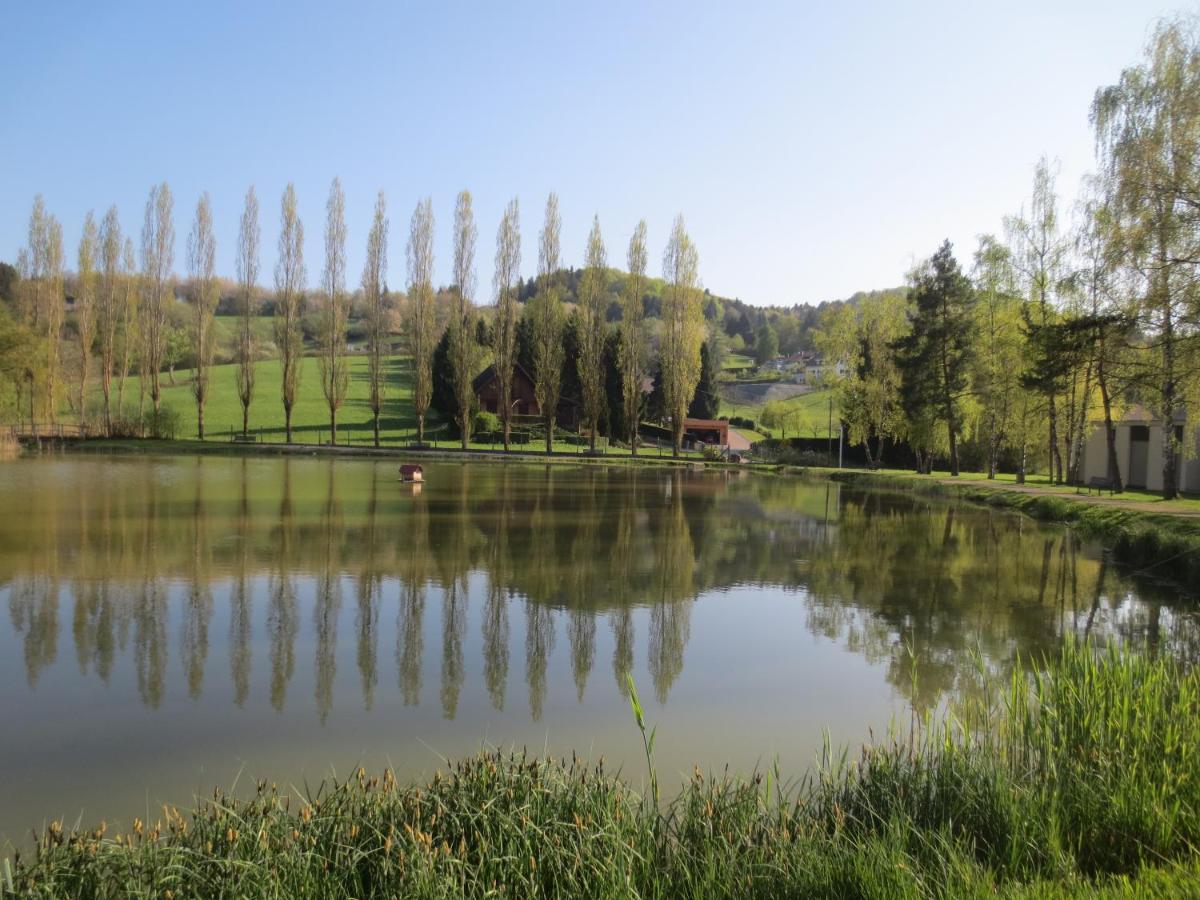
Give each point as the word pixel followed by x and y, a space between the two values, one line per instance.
pixel 1077 779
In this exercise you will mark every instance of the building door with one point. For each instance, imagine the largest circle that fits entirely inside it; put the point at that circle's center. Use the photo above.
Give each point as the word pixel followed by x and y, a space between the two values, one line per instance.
pixel 1139 456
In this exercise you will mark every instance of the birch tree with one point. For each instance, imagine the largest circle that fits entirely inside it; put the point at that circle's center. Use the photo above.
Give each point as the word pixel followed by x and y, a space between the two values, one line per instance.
pixel 463 347
pixel 634 349
pixel 249 236
pixel 546 309
pixel 421 310
pixel 202 263
pixel 593 304
pixel 109 308
pixel 1039 254
pixel 374 284
pixel 1148 135
pixel 682 328
pixel 85 304
pixel 158 255
pixel 335 309
pixel 289 296
pixel 506 275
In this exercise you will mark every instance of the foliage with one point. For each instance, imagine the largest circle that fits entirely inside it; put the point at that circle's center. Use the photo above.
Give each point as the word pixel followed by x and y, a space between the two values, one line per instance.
pixel 706 402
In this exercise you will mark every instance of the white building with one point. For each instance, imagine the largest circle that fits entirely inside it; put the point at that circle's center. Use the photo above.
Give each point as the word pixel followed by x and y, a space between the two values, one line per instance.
pixel 1139 452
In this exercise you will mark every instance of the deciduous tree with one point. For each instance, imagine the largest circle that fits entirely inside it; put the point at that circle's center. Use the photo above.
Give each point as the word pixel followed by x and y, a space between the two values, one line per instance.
pixel 290 277
pixel 507 274
pixel 463 349
pixel 374 284
pixel 109 311
pixel 422 328
pixel 202 267
pixel 335 309
pixel 249 236
pixel 593 304
pixel 634 350
pixel 547 312
pixel 85 304
pixel 158 256
pixel 682 327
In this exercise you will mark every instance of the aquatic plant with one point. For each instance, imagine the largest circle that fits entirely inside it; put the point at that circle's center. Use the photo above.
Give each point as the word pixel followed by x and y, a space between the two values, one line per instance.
pixel 1081 778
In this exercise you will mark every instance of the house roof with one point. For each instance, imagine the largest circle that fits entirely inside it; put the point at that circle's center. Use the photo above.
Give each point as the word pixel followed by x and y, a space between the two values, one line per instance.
pixel 705 423
pixel 484 378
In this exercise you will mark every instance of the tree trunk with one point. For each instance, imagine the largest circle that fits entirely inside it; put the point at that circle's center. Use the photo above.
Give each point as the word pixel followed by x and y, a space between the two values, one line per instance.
pixel 1170 485
pixel 592 440
pixel 287 421
pixel 200 420
pixel 333 427
pixel 107 384
pixel 1110 436
pixel 376 428
pixel 870 456
pixel 245 421
pixel 549 435
pixel 421 428
pixel 507 433
pixel 1055 461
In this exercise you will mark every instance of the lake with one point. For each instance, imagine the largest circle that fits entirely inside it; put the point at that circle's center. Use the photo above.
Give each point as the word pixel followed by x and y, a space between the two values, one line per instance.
pixel 178 623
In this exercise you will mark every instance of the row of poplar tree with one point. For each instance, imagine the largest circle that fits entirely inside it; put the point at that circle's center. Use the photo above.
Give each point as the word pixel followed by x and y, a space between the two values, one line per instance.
pixel 1057 326
pixel 122 301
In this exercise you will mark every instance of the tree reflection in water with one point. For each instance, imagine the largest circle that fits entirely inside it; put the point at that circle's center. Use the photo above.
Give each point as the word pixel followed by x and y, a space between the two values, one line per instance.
pixel 561 548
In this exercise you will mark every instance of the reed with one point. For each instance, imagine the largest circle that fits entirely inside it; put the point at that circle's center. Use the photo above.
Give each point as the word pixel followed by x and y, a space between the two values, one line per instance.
pixel 1080 778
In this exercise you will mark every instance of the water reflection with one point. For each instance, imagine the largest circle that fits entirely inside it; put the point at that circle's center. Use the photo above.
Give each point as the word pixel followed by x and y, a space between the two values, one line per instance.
pixel 147 549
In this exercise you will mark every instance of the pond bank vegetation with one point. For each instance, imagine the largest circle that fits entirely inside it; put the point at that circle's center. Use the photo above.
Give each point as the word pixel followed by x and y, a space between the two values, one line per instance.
pixel 1081 779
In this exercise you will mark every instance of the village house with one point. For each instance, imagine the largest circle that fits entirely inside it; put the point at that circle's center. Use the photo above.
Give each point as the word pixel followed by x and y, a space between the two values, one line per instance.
pixel 1139 444
pixel 524 402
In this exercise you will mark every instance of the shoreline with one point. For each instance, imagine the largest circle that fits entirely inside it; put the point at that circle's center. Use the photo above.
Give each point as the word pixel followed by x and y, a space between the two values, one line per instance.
pixel 1159 544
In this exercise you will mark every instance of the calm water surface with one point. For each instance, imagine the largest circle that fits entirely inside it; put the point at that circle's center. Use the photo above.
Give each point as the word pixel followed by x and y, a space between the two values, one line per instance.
pixel 175 623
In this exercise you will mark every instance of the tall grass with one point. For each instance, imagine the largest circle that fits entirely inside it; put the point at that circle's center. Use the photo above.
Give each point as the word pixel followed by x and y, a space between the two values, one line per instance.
pixel 1077 780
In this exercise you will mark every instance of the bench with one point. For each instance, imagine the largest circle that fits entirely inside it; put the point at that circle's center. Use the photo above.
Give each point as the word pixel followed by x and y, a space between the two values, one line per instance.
pixel 1099 483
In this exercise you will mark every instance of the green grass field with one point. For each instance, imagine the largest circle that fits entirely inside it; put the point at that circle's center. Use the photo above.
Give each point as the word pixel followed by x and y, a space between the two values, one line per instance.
pixel 806 415
pixel 310 415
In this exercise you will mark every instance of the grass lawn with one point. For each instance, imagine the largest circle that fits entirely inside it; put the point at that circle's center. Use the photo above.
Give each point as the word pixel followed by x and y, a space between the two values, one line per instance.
pixel 806 415
pixel 736 361
pixel 310 415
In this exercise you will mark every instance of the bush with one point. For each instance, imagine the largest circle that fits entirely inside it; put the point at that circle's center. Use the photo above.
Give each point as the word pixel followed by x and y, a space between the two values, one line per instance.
pixel 485 422
pixel 163 425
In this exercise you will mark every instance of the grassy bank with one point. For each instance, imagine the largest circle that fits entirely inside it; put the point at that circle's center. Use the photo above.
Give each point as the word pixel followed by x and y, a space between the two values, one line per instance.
pixel 1081 780
pixel 1158 544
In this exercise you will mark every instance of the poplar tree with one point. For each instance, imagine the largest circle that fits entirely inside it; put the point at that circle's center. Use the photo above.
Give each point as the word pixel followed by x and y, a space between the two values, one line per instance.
pixel 421 310
pixel 374 284
pixel 505 280
pixel 592 308
pixel 634 350
pixel 158 255
pixel 53 301
pixel 463 353
pixel 202 264
pixel 547 312
pixel 85 304
pixel 335 311
pixel 130 318
pixel 682 328
pixel 289 296
pixel 109 311
pixel 249 236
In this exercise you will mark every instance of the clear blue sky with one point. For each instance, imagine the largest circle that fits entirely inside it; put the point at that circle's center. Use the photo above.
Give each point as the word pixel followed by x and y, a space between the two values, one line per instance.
pixel 814 149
